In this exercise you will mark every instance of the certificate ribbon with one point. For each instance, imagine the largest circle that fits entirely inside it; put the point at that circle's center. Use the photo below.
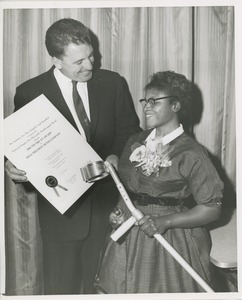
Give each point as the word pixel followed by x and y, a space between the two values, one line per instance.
pixel 52 182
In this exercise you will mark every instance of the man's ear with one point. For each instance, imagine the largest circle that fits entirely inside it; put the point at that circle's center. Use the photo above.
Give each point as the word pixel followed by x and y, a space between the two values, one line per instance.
pixel 57 62
pixel 176 106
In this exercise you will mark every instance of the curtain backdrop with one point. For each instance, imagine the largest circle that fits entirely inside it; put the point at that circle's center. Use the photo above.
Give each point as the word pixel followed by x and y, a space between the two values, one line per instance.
pixel 136 42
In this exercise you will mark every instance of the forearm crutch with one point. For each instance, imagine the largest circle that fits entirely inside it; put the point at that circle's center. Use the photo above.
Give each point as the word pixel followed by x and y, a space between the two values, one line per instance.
pixel 97 170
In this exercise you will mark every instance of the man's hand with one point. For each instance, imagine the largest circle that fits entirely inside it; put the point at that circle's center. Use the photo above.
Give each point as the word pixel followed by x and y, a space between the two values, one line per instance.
pixel 15 174
pixel 116 218
pixel 113 159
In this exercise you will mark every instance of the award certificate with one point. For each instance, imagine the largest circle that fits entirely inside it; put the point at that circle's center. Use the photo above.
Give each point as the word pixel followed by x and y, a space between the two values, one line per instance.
pixel 40 141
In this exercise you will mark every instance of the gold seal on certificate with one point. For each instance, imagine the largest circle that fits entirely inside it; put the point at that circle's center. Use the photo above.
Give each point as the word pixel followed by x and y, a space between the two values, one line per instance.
pixel 50 150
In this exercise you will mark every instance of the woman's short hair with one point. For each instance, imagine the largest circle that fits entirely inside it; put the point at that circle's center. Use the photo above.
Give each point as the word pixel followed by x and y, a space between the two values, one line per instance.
pixel 174 84
pixel 63 32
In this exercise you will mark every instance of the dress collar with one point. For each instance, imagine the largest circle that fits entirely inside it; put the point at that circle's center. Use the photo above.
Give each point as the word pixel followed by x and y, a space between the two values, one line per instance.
pixel 167 138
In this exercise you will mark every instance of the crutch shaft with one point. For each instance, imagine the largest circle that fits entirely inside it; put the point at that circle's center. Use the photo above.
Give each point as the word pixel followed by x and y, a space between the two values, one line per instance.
pixel 123 228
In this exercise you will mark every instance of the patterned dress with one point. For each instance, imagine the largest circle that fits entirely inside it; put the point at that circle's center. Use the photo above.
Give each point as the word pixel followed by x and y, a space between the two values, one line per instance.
pixel 138 263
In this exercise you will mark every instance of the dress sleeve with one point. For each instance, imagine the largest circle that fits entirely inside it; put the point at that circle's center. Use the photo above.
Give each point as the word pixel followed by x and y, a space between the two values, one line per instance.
pixel 203 180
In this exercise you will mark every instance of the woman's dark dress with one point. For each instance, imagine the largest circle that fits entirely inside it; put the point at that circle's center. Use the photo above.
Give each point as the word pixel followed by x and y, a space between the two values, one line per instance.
pixel 139 264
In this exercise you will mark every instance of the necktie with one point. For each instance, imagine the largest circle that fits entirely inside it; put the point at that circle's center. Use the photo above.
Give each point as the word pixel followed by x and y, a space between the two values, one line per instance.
pixel 80 110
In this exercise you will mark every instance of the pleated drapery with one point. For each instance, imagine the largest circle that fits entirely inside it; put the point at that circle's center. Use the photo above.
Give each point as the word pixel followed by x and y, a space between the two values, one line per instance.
pixel 136 42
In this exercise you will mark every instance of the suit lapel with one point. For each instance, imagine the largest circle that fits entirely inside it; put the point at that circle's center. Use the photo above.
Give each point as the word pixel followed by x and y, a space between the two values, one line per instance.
pixel 53 93
pixel 94 94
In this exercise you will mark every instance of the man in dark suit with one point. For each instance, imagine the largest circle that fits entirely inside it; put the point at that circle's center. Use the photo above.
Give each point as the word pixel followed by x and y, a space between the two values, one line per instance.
pixel 72 242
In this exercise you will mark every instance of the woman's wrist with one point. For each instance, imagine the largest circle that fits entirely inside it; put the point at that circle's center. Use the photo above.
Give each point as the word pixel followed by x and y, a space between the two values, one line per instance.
pixel 163 223
pixel 168 222
pixel 172 220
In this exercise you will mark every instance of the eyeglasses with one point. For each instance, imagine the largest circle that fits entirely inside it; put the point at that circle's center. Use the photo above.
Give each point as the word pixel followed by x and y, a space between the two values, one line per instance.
pixel 151 101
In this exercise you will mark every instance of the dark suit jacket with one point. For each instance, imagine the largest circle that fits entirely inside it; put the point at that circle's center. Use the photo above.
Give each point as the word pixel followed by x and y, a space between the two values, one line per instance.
pixel 113 120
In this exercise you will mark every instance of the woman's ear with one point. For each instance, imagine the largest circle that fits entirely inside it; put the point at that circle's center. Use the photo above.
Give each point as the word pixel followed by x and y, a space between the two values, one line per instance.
pixel 176 106
pixel 57 62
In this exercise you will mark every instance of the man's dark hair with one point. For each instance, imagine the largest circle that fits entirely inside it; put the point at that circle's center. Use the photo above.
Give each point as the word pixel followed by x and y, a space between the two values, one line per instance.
pixel 63 32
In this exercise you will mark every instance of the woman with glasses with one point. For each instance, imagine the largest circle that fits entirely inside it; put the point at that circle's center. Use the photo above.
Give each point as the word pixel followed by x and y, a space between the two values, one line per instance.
pixel 162 169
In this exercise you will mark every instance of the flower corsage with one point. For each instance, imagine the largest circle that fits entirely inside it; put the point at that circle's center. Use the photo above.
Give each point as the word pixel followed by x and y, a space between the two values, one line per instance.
pixel 151 157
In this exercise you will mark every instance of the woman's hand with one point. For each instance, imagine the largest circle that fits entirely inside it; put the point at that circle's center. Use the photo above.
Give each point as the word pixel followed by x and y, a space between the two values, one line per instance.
pixel 116 218
pixel 153 224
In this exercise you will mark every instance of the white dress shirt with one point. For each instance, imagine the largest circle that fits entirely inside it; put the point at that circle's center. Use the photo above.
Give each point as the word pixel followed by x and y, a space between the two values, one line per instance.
pixel 66 87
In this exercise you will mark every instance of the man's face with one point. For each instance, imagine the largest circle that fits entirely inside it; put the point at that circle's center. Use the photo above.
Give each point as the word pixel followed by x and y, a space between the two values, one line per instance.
pixel 77 62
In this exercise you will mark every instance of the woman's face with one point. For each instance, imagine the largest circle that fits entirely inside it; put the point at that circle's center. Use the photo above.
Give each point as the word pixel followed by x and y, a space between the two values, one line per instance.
pixel 163 114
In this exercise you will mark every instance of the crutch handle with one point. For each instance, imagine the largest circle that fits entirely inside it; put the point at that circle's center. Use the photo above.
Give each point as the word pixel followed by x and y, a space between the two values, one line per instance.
pixel 123 228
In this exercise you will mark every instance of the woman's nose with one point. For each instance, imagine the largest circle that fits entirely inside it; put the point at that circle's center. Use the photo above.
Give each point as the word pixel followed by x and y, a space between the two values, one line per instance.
pixel 148 106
